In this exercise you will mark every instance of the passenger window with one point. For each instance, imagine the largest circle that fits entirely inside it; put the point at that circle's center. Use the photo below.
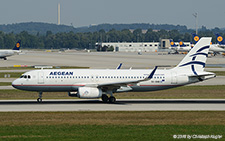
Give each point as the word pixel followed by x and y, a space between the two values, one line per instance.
pixel 25 76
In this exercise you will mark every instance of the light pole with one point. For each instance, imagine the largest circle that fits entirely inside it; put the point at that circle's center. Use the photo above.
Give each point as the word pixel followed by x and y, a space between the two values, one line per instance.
pixel 196 22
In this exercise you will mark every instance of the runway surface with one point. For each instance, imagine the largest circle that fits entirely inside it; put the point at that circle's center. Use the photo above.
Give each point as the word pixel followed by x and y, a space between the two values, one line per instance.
pixel 120 105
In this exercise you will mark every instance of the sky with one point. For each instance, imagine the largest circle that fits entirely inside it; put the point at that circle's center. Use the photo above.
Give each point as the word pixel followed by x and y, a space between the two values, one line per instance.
pixel 86 12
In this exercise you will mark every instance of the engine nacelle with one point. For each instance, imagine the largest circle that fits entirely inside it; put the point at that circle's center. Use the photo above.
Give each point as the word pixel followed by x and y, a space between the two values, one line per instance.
pixel 89 92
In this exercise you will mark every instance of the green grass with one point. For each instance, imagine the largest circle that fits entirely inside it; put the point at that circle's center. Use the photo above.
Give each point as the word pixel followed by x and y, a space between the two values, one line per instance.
pixel 109 125
pixel 5 83
pixel 12 74
pixel 105 132
pixel 219 73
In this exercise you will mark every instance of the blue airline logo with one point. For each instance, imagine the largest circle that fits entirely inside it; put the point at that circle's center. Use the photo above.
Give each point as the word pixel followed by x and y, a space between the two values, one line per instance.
pixel 61 73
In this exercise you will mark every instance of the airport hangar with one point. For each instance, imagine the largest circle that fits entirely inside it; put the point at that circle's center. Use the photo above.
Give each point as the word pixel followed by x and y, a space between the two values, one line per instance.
pixel 164 44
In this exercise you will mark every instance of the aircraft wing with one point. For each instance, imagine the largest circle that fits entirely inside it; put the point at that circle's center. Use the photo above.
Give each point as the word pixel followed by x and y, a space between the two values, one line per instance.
pixel 125 83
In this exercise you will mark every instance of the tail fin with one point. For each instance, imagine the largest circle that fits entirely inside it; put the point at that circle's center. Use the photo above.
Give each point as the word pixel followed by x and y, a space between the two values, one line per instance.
pixel 17 45
pixel 182 43
pixel 195 37
pixel 195 60
pixel 172 44
pixel 220 39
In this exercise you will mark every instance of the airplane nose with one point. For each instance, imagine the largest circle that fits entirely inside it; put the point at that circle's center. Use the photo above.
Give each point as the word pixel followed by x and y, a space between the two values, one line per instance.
pixel 15 83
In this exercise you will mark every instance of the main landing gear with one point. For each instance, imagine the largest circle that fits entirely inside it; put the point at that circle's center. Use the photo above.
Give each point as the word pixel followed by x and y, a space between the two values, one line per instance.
pixel 39 100
pixel 110 99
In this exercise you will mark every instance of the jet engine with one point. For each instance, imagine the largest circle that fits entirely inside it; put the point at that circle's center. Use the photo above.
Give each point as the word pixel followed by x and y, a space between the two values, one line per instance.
pixel 89 92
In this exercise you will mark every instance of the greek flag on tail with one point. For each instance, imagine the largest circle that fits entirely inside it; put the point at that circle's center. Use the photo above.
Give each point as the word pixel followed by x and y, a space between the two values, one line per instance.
pixel 194 61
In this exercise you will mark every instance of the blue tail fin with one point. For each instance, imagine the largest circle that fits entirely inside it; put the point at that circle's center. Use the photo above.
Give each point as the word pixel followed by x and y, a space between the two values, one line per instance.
pixel 195 37
pixel 17 45
pixel 220 39
pixel 181 43
pixel 172 43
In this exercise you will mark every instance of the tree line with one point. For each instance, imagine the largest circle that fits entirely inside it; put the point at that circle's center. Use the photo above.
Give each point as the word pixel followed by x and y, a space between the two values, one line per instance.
pixel 87 40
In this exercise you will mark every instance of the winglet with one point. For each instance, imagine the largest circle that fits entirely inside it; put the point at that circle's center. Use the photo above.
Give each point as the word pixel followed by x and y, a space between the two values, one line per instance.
pixel 119 66
pixel 152 73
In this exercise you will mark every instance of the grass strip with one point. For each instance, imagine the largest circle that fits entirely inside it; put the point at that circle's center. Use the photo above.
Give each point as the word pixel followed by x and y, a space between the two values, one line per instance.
pixel 10 74
pixel 106 132
pixel 5 83
pixel 219 73
pixel 109 125
pixel 113 118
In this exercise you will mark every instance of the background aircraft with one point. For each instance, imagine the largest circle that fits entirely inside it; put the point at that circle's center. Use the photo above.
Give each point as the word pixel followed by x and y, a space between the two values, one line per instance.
pixel 220 40
pixel 99 83
pixel 214 48
pixel 177 49
pixel 7 53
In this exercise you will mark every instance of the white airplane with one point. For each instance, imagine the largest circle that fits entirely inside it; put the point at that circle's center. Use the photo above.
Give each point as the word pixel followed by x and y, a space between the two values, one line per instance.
pixel 98 83
pixel 7 53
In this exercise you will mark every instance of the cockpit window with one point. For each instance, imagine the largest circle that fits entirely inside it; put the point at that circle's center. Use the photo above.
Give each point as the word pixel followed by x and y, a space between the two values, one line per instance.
pixel 25 76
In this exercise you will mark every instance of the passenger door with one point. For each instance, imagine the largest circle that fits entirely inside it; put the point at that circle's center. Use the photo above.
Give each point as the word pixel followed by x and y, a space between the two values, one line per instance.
pixel 41 77
pixel 174 78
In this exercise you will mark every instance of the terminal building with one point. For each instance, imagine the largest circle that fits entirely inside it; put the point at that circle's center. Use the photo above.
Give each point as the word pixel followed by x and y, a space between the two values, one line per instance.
pixel 135 46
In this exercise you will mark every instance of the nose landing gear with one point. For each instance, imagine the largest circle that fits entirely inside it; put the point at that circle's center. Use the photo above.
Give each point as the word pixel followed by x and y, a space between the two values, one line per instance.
pixel 39 100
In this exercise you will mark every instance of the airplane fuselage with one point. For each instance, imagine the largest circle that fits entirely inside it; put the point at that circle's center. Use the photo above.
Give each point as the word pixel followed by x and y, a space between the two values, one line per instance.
pixel 6 53
pixel 70 80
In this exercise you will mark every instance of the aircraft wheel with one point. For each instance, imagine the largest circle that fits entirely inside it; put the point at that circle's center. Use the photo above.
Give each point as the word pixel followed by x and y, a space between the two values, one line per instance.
pixel 105 98
pixel 39 100
pixel 112 99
